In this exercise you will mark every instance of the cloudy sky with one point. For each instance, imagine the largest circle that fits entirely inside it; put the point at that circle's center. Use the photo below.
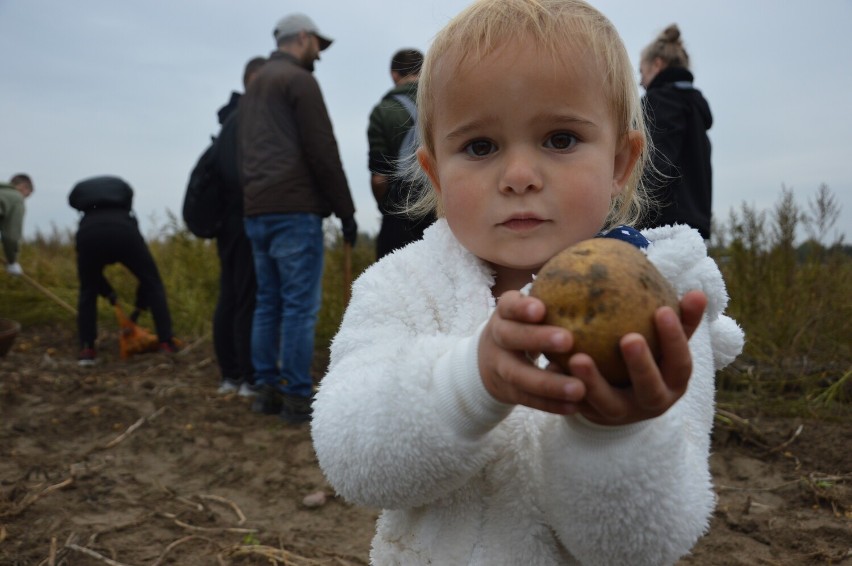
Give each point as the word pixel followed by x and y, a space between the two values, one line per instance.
pixel 131 88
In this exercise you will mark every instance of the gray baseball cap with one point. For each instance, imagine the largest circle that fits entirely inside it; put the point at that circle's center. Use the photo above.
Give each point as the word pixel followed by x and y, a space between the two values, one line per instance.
pixel 294 23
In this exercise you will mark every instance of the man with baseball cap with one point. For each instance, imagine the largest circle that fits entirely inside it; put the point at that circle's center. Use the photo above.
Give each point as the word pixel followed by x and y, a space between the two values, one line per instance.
pixel 292 179
pixel 294 23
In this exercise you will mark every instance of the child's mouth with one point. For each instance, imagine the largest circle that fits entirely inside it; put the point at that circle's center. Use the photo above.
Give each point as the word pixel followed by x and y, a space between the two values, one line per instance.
pixel 522 223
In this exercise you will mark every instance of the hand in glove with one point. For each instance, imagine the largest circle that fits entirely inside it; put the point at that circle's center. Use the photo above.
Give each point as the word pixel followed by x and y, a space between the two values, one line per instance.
pixel 15 268
pixel 350 230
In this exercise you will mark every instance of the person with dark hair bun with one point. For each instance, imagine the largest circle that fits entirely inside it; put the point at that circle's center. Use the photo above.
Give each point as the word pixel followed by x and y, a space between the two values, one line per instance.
pixel 680 178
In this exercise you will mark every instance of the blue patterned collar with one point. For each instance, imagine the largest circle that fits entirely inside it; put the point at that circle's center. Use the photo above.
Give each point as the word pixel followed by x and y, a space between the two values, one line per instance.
pixel 626 234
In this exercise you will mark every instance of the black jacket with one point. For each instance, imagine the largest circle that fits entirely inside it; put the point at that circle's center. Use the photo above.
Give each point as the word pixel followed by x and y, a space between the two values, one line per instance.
pixel 678 119
pixel 227 157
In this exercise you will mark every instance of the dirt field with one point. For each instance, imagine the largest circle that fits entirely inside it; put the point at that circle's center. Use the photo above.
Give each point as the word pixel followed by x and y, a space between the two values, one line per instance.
pixel 142 463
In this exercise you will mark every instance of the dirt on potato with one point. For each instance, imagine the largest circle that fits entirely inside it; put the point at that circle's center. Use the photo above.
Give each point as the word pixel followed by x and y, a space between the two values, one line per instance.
pixel 141 462
pixel 587 289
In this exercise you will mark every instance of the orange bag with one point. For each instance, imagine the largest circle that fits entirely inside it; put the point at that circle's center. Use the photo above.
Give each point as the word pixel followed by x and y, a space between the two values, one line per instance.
pixel 132 338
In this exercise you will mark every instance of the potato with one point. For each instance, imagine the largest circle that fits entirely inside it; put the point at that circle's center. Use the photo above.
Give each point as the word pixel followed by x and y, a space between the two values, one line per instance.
pixel 600 290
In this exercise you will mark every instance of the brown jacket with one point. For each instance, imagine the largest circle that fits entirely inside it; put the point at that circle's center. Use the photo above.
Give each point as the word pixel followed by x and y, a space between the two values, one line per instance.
pixel 289 160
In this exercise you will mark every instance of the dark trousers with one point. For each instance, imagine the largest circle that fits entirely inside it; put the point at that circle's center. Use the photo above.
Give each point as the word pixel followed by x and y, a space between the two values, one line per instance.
pixel 232 319
pixel 398 231
pixel 104 242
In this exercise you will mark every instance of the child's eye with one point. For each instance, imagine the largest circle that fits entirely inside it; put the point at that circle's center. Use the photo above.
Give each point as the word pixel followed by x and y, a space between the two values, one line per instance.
pixel 479 148
pixel 561 141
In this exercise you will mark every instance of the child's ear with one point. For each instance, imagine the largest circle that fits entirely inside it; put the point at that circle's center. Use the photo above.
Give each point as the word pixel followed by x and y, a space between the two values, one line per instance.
pixel 427 163
pixel 626 155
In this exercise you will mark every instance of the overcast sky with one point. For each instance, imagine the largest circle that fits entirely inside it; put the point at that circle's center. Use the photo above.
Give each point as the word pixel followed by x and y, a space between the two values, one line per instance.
pixel 131 88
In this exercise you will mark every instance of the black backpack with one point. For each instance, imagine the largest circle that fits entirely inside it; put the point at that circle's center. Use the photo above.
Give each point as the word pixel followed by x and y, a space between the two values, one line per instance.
pixel 100 193
pixel 204 203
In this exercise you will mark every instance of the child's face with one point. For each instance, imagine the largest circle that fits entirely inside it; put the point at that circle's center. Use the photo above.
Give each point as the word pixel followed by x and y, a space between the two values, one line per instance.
pixel 527 156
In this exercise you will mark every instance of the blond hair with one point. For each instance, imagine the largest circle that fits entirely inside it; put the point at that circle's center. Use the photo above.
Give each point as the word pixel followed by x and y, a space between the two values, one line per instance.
pixel 553 25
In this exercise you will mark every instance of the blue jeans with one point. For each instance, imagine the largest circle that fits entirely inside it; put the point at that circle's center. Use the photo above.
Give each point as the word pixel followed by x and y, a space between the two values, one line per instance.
pixel 288 262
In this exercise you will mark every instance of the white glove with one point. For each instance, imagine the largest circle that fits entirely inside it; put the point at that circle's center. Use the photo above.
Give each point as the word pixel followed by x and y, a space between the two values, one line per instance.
pixel 14 269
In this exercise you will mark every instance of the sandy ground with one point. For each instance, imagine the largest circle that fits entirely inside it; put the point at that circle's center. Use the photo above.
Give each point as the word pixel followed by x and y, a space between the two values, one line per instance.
pixel 140 462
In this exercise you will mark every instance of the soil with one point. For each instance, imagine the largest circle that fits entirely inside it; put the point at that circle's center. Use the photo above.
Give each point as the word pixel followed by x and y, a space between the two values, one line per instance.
pixel 141 462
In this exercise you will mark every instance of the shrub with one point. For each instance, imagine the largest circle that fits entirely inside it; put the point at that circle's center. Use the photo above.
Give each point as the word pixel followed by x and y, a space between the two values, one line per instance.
pixel 792 301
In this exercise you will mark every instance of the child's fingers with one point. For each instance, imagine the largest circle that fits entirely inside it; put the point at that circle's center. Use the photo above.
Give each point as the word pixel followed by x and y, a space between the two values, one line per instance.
pixel 513 379
pixel 602 404
pixel 676 361
pixel 654 387
pixel 649 395
pixel 551 393
pixel 692 307
pixel 512 305
pixel 516 336
pixel 517 326
pixel 653 394
pixel 546 391
pixel 531 339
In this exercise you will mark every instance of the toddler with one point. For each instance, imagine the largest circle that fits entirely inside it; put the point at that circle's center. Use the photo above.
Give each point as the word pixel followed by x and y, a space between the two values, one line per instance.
pixel 433 408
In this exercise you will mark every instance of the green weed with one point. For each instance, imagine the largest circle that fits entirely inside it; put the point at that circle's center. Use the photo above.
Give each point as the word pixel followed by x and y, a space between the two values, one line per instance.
pixel 794 303
pixel 188 266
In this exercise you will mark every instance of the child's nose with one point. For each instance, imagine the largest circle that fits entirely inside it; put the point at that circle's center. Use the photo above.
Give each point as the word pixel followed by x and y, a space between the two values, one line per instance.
pixel 520 174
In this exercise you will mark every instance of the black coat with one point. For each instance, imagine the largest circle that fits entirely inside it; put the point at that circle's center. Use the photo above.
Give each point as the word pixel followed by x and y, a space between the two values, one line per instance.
pixel 227 163
pixel 681 183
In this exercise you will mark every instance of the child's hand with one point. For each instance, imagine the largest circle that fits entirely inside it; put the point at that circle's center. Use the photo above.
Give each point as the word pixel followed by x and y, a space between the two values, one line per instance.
pixel 654 388
pixel 512 338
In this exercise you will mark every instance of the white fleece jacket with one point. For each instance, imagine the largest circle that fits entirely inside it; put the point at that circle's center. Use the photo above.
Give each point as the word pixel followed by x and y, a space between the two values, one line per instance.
pixel 402 422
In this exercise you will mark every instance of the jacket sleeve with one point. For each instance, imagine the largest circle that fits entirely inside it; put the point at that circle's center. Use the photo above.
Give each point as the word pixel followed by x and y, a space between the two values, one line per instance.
pixel 381 153
pixel 656 473
pixel 319 144
pixel 401 417
pixel 12 225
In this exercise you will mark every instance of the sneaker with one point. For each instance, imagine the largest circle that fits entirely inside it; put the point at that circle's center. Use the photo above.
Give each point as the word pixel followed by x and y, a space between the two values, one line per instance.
pixel 267 401
pixel 168 347
pixel 296 410
pixel 247 390
pixel 228 386
pixel 86 357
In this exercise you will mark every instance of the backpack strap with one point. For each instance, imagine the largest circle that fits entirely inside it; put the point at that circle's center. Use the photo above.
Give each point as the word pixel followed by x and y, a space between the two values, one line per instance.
pixel 408 146
pixel 408 104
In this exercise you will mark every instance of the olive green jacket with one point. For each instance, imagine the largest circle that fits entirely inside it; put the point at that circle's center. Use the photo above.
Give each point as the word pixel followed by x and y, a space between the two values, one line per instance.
pixel 11 220
pixel 389 122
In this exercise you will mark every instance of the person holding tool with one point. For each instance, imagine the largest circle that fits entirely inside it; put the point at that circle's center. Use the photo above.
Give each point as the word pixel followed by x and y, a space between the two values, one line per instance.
pixel 12 196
